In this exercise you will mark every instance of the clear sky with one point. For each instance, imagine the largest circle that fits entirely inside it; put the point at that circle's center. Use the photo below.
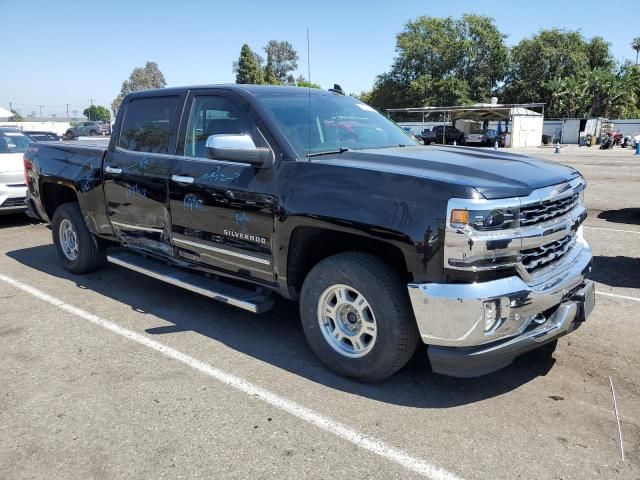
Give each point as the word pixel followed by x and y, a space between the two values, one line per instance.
pixel 62 51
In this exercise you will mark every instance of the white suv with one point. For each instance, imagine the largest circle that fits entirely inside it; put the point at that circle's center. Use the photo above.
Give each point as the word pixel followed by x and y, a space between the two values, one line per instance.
pixel 13 189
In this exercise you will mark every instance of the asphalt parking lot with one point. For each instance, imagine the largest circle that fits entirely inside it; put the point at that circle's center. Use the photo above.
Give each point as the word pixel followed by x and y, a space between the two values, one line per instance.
pixel 116 375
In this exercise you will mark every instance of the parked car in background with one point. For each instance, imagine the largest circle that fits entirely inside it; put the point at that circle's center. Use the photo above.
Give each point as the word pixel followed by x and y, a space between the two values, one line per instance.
pixel 13 189
pixel 105 127
pixel 481 137
pixel 42 136
pixel 415 133
pixel 443 134
pixel 90 129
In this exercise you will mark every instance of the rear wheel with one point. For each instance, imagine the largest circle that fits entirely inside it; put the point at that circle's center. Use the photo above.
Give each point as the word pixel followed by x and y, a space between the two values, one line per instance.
pixel 357 318
pixel 93 133
pixel 79 250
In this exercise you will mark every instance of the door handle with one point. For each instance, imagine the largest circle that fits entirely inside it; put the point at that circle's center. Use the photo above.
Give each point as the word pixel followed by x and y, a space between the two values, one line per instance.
pixel 181 179
pixel 113 170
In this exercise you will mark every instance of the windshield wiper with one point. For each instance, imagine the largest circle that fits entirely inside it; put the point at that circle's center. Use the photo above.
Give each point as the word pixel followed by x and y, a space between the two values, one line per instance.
pixel 328 152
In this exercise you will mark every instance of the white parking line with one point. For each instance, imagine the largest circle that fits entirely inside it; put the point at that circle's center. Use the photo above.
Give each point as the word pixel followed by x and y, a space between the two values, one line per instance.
pixel 612 230
pixel 312 417
pixel 614 295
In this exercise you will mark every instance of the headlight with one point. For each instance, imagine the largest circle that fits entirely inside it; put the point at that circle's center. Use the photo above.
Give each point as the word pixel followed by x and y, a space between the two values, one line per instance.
pixel 496 219
pixel 582 189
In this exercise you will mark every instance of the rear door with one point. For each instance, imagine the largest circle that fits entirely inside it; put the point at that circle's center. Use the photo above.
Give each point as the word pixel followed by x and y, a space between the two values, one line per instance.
pixel 222 212
pixel 137 170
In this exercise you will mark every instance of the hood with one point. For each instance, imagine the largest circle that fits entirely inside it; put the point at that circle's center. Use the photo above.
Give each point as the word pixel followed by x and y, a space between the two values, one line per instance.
pixel 11 168
pixel 493 174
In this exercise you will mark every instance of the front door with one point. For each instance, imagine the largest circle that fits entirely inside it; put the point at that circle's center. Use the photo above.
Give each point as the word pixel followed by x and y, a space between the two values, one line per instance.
pixel 222 212
pixel 137 170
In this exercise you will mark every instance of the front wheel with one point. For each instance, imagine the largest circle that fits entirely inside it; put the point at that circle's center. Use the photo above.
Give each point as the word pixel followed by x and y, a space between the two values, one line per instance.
pixel 80 251
pixel 356 316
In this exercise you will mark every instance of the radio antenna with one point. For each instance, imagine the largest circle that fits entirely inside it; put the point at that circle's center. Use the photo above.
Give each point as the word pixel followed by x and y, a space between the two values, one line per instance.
pixel 308 97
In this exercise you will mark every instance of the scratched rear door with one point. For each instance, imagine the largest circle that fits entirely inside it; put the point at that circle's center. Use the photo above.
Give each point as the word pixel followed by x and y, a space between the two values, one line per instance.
pixel 222 212
pixel 137 170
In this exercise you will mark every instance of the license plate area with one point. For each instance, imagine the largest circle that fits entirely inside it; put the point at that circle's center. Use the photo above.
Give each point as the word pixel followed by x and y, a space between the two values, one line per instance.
pixel 586 297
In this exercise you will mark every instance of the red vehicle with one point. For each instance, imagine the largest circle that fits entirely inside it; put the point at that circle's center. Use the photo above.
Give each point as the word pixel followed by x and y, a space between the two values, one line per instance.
pixel 611 139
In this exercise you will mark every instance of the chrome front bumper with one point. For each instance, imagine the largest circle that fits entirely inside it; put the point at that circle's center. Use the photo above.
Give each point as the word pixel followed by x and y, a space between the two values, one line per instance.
pixel 452 315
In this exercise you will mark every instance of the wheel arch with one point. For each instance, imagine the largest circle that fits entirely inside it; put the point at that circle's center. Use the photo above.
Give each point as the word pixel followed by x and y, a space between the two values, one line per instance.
pixel 55 194
pixel 309 245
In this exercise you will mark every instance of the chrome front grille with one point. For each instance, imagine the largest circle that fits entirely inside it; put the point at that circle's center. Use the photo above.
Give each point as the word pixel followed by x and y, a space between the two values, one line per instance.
pixel 535 258
pixel 544 210
pixel 547 234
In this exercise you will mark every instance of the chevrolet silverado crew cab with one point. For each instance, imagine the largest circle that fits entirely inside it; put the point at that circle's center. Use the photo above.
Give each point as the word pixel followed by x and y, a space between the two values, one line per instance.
pixel 241 192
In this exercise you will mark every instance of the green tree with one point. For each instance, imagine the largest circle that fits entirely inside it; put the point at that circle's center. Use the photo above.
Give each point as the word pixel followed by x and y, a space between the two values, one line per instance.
pixel 630 78
pixel 141 78
pixel 548 55
pixel 635 44
pixel 284 58
pixel 270 77
pixel 16 117
pixel 443 61
pixel 485 56
pixel 303 82
pixel 599 54
pixel 97 112
pixel 248 69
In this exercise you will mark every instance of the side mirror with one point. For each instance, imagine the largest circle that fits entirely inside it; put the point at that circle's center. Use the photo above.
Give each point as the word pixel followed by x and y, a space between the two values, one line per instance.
pixel 238 148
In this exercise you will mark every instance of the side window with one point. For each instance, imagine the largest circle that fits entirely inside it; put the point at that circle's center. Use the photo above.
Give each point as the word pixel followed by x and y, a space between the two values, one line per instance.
pixel 214 115
pixel 148 124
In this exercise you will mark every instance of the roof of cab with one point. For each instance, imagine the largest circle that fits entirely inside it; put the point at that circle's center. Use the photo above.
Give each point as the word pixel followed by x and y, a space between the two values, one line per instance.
pixel 10 129
pixel 244 88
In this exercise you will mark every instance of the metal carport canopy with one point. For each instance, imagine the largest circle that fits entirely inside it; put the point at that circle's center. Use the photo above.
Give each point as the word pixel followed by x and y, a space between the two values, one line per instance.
pixel 481 111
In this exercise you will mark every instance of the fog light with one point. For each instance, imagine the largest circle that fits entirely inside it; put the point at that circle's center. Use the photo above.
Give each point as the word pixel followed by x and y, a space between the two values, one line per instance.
pixel 491 315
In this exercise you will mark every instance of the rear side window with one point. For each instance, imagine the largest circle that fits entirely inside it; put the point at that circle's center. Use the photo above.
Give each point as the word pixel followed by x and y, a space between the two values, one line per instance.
pixel 149 124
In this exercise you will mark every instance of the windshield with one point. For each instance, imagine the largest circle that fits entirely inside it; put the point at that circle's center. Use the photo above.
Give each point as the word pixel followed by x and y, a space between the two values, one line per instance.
pixel 331 123
pixel 13 142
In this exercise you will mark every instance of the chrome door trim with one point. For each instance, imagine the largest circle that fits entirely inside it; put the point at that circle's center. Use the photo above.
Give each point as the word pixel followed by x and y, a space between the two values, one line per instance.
pixel 223 251
pixel 137 227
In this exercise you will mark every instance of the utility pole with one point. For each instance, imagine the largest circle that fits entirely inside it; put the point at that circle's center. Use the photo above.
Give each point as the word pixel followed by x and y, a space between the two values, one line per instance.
pixel 91 100
pixel 40 110
pixel 11 106
pixel 67 110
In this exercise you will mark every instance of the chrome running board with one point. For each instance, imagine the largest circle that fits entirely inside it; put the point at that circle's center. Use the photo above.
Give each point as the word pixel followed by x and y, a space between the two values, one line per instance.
pixel 250 300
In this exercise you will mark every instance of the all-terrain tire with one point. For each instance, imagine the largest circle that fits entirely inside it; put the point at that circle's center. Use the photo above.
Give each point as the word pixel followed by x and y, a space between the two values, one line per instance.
pixel 89 254
pixel 397 333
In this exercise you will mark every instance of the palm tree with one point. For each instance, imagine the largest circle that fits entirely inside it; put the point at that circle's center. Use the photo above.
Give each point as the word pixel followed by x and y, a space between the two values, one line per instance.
pixel 635 44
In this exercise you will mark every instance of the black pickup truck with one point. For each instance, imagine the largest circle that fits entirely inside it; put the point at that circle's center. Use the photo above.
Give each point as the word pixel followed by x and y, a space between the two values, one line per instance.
pixel 240 192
